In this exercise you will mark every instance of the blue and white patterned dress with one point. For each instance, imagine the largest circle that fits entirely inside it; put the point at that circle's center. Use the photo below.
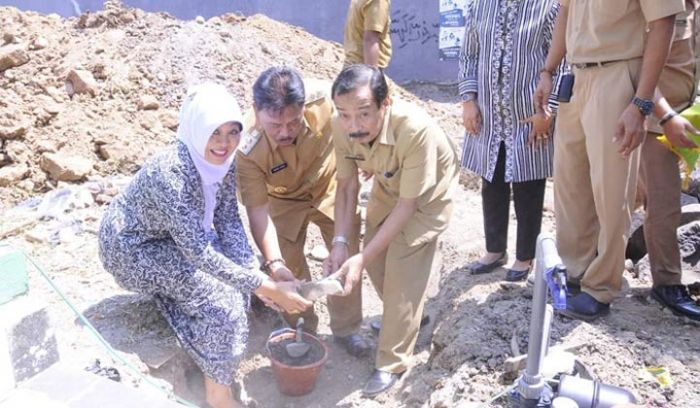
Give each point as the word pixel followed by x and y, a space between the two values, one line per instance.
pixel 152 241
pixel 505 45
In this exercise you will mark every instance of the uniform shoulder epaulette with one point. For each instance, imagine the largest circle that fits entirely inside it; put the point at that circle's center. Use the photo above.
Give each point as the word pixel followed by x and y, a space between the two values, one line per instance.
pixel 250 139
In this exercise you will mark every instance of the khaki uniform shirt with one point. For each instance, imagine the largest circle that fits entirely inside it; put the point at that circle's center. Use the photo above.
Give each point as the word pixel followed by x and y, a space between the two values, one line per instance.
pixel 291 178
pixel 367 15
pixel 611 30
pixel 411 158
pixel 678 79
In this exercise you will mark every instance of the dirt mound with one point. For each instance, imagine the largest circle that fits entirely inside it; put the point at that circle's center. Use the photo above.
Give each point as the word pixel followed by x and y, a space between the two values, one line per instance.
pixel 104 89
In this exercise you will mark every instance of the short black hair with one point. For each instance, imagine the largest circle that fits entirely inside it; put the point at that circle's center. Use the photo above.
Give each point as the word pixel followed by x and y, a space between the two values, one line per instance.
pixel 357 75
pixel 278 87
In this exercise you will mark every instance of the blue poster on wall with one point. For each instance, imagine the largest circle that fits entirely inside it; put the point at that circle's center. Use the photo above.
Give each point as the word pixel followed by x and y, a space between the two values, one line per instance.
pixel 451 28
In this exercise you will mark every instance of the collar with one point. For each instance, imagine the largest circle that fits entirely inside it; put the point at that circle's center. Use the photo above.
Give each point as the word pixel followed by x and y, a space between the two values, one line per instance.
pixel 386 135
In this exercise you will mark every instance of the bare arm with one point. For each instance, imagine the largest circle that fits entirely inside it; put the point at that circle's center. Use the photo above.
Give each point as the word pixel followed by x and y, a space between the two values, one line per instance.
pixel 676 127
pixel 655 55
pixel 370 48
pixel 630 128
pixel 557 51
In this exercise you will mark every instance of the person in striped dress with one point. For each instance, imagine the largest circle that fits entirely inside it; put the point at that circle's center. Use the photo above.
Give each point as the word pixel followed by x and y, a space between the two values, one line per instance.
pixel 507 143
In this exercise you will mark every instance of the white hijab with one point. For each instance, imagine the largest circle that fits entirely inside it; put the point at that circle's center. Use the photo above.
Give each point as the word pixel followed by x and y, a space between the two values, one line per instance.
pixel 206 107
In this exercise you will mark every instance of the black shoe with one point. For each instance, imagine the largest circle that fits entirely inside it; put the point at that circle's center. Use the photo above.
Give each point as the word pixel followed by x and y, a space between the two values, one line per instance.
pixel 379 382
pixel 516 276
pixel 377 324
pixel 676 298
pixel 584 307
pixel 478 268
pixel 354 344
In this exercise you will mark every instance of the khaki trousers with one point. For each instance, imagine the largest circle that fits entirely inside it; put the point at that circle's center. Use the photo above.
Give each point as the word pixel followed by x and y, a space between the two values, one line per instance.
pixel 660 189
pixel 345 311
pixel 594 186
pixel 400 275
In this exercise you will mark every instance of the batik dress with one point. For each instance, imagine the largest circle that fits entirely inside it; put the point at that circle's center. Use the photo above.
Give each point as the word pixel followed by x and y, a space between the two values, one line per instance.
pixel 153 242
pixel 505 45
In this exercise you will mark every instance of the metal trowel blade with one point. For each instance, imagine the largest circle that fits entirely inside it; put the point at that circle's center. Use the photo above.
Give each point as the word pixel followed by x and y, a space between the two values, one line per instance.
pixel 316 289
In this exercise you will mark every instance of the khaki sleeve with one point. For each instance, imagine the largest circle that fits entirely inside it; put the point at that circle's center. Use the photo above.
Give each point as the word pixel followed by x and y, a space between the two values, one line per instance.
pixel 376 14
pixel 252 186
pixel 418 164
pixel 656 9
pixel 345 167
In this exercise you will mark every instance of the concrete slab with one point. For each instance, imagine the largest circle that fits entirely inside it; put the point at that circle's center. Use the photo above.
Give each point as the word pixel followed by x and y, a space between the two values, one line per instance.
pixel 64 387
pixel 27 341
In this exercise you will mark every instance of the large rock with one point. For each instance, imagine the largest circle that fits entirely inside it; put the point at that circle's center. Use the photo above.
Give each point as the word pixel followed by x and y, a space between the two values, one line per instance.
pixel 80 81
pixel 10 175
pixel 169 119
pixel 17 151
pixel 689 242
pixel 12 56
pixel 62 167
pixel 39 43
pixel 112 151
pixel 148 102
pixel 14 131
pixel 636 245
pixel 694 183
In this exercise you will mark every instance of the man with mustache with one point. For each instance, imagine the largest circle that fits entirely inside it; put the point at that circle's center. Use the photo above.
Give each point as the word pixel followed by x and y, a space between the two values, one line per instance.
pixel 286 177
pixel 415 169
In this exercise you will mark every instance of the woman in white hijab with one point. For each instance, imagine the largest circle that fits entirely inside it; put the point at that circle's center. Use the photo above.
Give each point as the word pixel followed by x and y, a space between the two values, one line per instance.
pixel 175 233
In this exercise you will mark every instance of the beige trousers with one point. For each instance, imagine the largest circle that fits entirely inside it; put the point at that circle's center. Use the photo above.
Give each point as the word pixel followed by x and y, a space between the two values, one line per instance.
pixel 400 275
pixel 345 311
pixel 594 186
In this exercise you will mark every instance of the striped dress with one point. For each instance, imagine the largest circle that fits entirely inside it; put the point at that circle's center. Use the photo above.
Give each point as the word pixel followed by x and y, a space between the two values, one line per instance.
pixel 505 45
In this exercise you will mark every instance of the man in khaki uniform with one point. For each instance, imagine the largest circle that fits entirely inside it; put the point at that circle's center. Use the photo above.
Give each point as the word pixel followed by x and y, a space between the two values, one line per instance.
pixel 286 178
pixel 367 38
pixel 659 184
pixel 415 169
pixel 616 63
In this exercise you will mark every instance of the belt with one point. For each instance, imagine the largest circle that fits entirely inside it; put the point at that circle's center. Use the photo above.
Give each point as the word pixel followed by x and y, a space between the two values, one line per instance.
pixel 584 65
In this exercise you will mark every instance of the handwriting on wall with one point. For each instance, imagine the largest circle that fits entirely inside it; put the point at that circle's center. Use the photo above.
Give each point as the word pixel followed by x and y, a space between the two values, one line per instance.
pixel 409 27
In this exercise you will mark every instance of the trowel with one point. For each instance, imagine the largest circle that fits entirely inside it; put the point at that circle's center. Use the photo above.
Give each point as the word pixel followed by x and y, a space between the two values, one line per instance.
pixel 298 348
pixel 316 289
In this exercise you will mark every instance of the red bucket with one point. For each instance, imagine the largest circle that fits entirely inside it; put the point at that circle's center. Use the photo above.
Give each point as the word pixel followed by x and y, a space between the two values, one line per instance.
pixel 295 380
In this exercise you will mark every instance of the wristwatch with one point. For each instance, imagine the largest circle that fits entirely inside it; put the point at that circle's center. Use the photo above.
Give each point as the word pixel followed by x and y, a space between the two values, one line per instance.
pixel 645 106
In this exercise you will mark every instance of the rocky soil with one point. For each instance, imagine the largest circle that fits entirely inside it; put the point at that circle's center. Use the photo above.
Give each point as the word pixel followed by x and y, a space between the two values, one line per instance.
pixel 84 101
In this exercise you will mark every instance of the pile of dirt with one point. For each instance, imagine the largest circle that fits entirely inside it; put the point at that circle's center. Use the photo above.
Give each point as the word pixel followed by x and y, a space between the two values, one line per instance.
pixel 83 101
pixel 98 94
